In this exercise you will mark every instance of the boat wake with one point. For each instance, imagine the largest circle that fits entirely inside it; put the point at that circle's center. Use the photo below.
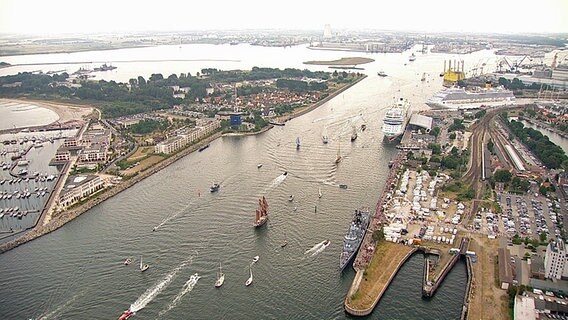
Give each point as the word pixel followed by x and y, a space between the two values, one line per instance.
pixel 173 216
pixel 187 287
pixel 55 314
pixel 275 183
pixel 317 249
pixel 152 292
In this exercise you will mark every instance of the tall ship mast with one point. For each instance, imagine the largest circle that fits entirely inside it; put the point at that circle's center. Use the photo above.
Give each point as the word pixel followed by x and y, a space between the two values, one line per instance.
pixel 395 119
pixel 261 215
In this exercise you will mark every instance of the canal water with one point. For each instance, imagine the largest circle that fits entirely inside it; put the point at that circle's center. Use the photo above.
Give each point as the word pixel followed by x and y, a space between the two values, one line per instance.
pixel 77 271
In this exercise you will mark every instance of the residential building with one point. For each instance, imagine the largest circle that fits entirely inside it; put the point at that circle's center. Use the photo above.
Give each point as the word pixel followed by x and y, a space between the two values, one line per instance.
pixel 555 266
pixel 77 188
pixel 203 129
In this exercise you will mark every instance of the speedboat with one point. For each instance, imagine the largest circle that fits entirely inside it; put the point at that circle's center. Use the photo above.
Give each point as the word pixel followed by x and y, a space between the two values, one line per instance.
pixel 259 165
pixel 285 173
pixel 255 259
pixel 127 261
pixel 291 197
pixel 284 244
pixel 343 186
pixel 326 243
pixel 126 315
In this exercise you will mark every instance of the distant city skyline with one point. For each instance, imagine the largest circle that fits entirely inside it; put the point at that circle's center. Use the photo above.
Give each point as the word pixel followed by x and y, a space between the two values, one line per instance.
pixel 89 16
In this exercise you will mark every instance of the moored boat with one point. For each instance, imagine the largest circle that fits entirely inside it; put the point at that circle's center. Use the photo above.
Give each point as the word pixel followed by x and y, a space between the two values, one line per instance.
pixel 354 237
pixel 204 147
pixel 261 213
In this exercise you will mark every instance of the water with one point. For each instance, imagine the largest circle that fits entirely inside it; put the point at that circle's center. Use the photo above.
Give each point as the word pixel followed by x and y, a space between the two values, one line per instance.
pixel 77 271
pixel 15 114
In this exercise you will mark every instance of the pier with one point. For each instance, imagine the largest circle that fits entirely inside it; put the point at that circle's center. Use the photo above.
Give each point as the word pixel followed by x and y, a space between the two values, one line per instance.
pixel 429 287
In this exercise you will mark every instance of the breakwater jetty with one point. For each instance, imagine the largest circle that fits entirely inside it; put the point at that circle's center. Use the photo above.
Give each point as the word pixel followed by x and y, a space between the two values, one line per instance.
pixel 429 287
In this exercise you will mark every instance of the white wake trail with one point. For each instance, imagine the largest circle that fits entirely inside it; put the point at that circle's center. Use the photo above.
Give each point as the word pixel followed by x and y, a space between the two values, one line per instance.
pixel 275 183
pixel 175 215
pixel 187 287
pixel 315 248
pixel 320 249
pixel 152 292
pixel 53 314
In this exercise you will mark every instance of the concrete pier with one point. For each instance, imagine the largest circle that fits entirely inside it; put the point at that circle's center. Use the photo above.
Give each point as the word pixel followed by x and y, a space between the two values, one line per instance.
pixel 429 287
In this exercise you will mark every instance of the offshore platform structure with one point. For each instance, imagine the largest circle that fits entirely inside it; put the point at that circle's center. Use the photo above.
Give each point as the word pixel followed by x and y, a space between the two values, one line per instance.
pixel 453 73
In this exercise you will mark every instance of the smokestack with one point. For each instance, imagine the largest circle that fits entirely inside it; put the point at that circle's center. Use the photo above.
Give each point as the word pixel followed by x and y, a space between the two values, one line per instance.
pixel 462 66
pixel 450 65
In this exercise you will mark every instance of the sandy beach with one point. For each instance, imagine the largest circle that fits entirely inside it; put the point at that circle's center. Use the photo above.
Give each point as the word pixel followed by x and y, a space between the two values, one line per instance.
pixel 66 112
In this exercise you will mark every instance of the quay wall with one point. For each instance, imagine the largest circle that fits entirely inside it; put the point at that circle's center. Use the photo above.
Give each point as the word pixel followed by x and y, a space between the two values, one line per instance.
pixel 468 293
pixel 367 311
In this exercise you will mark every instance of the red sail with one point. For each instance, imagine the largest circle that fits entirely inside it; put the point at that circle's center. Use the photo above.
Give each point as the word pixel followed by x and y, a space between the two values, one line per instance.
pixel 257 216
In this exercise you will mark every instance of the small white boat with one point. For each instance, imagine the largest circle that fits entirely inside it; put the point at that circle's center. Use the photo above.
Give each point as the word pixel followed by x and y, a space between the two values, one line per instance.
pixel 259 165
pixel 143 267
pixel 220 277
pixel 255 259
pixel 319 193
pixel 249 280
pixel 291 197
pixel 127 261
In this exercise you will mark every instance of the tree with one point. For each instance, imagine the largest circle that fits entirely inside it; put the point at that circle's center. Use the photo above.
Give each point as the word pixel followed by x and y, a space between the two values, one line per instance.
pixel 156 77
pixel 141 81
pixel 435 131
pixel 502 175
pixel 452 136
pixel 491 146
pixel 436 148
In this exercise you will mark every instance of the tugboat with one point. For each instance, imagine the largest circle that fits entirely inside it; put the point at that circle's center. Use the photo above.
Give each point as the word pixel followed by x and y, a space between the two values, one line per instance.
pixel 215 187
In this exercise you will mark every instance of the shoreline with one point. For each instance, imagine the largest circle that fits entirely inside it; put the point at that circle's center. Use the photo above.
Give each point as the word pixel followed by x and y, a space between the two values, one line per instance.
pixel 69 215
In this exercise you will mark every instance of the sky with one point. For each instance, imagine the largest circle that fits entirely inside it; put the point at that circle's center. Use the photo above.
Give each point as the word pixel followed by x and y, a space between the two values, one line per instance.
pixel 94 16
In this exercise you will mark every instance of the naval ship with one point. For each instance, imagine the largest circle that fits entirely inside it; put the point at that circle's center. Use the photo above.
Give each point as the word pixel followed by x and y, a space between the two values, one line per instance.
pixel 354 237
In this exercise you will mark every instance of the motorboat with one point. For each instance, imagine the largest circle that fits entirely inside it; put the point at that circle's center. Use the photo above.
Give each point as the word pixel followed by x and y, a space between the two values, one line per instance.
pixel 291 197
pixel 249 280
pixel 343 186
pixel 127 261
pixel 255 259
pixel 285 173
pixel 220 278
pixel 285 243
pixel 381 74
pixel 215 187
pixel 319 193
pixel 326 242
pixel 259 165
pixel 126 315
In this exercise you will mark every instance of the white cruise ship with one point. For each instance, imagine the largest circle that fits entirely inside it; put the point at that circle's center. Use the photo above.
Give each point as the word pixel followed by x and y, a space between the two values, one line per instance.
pixel 461 99
pixel 396 119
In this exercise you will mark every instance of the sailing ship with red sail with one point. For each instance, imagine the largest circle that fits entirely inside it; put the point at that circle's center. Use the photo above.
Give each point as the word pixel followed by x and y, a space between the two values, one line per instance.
pixel 261 213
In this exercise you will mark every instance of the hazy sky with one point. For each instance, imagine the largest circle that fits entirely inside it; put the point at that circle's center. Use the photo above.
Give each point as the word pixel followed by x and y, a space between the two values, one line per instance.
pixel 72 16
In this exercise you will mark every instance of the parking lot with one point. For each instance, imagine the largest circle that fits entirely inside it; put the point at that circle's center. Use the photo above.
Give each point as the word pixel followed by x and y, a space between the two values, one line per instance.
pixel 526 215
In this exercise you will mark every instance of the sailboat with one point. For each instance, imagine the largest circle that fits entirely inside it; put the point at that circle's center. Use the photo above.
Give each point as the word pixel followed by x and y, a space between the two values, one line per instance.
pixel 220 277
pixel 297 143
pixel 261 213
pixel 338 158
pixel 249 280
pixel 127 261
pixel 143 267
pixel 354 134
pixel 319 193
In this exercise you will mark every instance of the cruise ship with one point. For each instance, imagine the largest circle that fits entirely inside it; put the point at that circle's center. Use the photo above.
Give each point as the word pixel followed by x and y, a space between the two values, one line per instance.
pixel 396 119
pixel 354 237
pixel 461 99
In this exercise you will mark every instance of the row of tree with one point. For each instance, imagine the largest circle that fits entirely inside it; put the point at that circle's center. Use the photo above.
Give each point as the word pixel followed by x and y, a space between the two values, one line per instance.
pixel 551 155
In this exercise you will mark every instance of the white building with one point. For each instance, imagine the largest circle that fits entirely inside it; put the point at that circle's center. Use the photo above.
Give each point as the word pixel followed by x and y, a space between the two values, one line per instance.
pixel 555 266
pixel 79 187
pixel 204 128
